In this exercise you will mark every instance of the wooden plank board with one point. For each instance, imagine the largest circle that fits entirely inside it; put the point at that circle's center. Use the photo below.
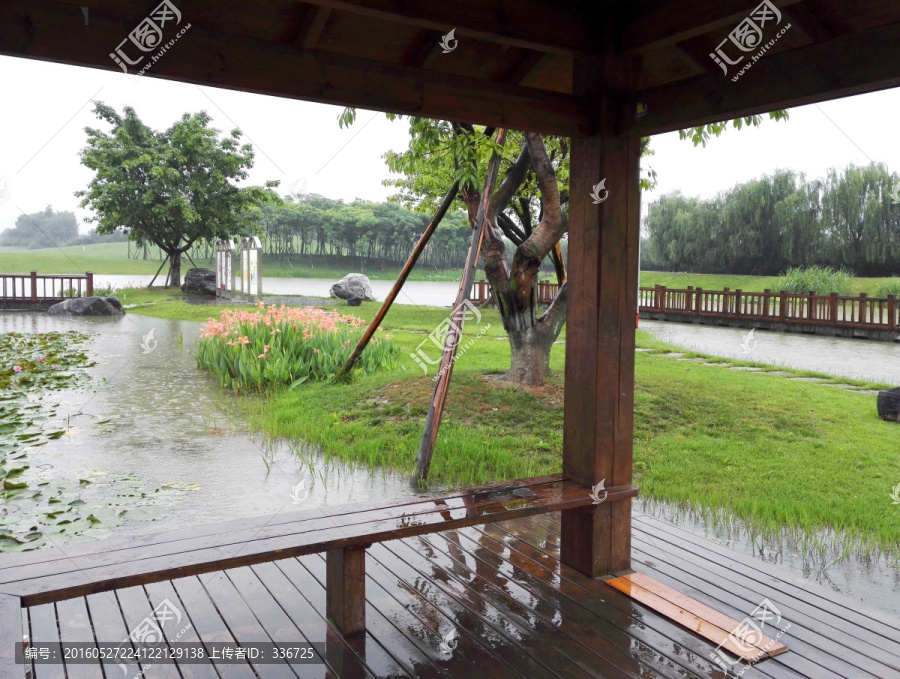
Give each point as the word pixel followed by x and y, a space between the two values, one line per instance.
pixel 403 652
pixel 662 650
pixel 209 625
pixel 706 622
pixel 75 625
pixel 538 637
pixel 471 621
pixel 42 620
pixel 667 638
pixel 243 624
pixel 10 633
pixel 592 633
pixel 136 609
pixel 109 627
pixel 404 506
pixel 182 631
pixel 368 649
pixel 276 543
pixel 859 616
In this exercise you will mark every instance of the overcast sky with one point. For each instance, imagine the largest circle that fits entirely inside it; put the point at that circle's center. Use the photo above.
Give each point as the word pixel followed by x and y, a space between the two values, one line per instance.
pixel 48 106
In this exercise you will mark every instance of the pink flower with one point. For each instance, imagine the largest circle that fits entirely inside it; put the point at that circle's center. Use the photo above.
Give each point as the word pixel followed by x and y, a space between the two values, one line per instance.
pixel 17 368
pixel 55 367
pixel 42 359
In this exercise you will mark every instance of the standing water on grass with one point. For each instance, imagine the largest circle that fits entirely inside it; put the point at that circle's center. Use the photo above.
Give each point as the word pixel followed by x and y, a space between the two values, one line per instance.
pixel 150 443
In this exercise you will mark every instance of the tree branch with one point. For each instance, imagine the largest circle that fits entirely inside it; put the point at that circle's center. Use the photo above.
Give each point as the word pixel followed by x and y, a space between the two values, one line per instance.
pixel 510 229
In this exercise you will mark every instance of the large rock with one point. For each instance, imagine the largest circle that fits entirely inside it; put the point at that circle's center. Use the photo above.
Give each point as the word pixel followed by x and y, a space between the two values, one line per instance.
pixel 200 282
pixel 88 306
pixel 353 286
pixel 889 405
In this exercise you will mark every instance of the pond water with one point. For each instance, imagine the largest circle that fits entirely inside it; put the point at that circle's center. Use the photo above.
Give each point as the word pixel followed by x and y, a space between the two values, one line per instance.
pixel 171 423
pixel 861 359
pixel 421 293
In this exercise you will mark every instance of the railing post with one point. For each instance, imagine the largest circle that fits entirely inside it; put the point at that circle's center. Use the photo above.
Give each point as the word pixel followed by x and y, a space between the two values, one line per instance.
pixel 832 308
pixel 345 589
pixel 699 301
pixel 34 286
pixel 782 306
pixel 765 302
pixel 689 299
pixel 892 312
pixel 863 307
pixel 737 302
pixel 90 283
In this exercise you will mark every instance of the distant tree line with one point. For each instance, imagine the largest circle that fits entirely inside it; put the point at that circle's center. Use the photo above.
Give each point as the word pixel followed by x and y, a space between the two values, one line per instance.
pixel 49 229
pixel 314 225
pixel 765 226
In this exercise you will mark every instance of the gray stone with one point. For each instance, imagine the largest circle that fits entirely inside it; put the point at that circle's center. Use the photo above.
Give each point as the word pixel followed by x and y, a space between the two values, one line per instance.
pixel 888 405
pixel 354 301
pixel 200 282
pixel 88 306
pixel 353 286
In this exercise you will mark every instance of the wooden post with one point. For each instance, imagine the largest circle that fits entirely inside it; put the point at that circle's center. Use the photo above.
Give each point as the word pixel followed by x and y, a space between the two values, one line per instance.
pixel 699 301
pixel 892 313
pixel 765 303
pixel 90 284
pixel 863 308
pixel 737 303
pixel 782 306
pixel 833 308
pixel 689 299
pixel 603 277
pixel 33 286
pixel 345 590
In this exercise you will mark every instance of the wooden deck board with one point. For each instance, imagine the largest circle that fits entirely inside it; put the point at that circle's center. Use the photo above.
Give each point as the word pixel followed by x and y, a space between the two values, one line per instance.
pixel 519 612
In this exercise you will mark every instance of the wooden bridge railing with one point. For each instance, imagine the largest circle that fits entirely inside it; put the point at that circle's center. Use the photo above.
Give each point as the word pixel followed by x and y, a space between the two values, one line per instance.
pixel 546 292
pixel 779 307
pixel 36 287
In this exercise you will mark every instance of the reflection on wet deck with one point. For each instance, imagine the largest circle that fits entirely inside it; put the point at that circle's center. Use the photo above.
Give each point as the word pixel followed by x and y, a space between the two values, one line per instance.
pixel 516 610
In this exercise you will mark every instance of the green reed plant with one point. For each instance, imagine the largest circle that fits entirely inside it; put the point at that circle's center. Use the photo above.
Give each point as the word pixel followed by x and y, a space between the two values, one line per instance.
pixel 821 279
pixel 277 346
pixel 890 287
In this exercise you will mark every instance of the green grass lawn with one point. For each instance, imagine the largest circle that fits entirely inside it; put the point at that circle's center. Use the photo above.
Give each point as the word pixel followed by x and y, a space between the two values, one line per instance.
pixel 776 453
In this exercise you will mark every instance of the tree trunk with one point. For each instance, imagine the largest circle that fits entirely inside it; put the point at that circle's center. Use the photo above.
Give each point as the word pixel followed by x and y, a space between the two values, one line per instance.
pixel 530 360
pixel 175 269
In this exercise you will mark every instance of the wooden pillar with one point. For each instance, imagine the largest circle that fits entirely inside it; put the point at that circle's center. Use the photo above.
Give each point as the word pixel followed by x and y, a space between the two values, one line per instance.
pixel 33 286
pixel 90 284
pixel 345 590
pixel 603 280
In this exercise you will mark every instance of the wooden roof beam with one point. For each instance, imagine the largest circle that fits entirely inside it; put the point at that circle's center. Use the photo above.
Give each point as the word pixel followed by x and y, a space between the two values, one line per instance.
pixel 671 22
pixel 869 62
pixel 39 29
pixel 532 24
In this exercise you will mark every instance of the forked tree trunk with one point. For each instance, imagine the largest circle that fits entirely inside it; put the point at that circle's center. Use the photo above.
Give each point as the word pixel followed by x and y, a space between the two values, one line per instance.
pixel 530 360
pixel 175 269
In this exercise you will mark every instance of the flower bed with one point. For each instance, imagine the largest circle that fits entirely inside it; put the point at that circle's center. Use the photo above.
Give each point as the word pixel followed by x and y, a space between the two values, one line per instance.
pixel 273 346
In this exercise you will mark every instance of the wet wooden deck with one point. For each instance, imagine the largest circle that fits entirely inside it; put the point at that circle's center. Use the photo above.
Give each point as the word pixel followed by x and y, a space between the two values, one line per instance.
pixel 517 610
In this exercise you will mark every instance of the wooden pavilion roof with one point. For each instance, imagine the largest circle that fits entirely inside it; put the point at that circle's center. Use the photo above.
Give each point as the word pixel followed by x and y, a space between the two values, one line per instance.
pixel 513 65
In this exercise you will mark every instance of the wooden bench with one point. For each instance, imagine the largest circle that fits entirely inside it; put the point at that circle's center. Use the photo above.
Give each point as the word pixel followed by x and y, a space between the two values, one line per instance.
pixel 343 533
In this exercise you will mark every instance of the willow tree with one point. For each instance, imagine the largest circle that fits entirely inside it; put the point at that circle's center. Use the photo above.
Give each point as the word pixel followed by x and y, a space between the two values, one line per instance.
pixel 528 210
pixel 171 188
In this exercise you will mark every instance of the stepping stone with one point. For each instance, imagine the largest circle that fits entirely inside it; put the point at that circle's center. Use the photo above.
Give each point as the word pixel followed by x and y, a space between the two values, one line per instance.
pixel 717 364
pixel 692 360
pixel 840 385
pixel 636 350
pixel 807 379
pixel 776 372
pixel 864 391
pixel 747 368
pixel 673 354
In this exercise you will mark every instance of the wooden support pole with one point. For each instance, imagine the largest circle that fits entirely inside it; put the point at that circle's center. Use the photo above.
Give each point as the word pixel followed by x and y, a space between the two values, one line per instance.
pixel 604 239
pixel 401 279
pixel 345 590
pixel 454 331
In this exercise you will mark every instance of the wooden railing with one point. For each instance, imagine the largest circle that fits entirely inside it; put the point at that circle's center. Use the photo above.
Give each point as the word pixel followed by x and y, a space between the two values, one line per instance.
pixel 36 287
pixel 546 292
pixel 864 312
